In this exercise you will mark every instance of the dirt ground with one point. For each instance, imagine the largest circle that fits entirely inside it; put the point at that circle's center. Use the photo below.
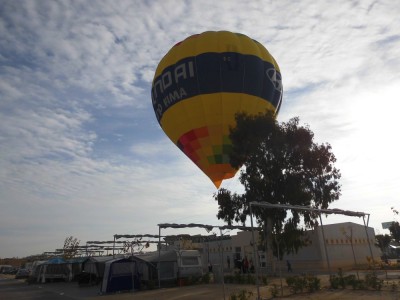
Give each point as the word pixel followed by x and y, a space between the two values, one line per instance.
pixel 326 293
pixel 213 292
pixel 14 289
pixel 217 292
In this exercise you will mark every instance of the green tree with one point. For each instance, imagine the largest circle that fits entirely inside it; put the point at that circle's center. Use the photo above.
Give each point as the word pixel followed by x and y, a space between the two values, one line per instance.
pixel 282 165
pixel 71 247
pixel 395 231
pixel 383 241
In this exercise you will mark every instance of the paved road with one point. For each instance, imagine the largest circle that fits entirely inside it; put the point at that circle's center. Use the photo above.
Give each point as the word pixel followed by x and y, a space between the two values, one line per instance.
pixel 17 289
pixel 13 289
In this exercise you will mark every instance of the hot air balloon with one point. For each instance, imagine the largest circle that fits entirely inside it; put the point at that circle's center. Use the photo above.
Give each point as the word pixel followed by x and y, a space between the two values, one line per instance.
pixel 202 83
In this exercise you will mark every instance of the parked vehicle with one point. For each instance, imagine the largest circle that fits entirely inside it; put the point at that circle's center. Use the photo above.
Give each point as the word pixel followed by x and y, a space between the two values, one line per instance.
pixel 10 270
pixel 22 273
pixel 4 269
pixel 175 265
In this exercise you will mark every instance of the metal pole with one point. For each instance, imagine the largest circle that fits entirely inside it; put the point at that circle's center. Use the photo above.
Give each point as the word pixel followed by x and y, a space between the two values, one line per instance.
pixel 222 262
pixel 255 252
pixel 326 250
pixel 159 256
pixel 369 244
pixel 354 254
pixel 279 264
pixel 114 246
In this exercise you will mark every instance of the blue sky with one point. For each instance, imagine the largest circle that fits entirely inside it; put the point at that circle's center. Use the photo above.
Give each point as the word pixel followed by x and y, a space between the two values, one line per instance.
pixel 82 154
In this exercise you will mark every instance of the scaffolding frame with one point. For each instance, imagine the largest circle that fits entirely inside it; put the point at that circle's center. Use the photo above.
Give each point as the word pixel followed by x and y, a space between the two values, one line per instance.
pixel 208 228
pixel 308 208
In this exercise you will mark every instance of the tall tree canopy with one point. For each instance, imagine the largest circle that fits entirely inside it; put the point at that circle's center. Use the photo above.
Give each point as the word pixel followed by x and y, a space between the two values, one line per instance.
pixel 395 231
pixel 282 165
pixel 383 241
pixel 395 227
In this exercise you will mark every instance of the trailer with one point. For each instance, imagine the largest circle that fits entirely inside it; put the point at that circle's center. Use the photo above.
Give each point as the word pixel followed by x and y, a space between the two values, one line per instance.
pixel 175 265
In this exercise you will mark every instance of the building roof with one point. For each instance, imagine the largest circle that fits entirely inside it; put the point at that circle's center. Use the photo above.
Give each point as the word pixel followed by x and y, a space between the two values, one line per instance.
pixel 320 210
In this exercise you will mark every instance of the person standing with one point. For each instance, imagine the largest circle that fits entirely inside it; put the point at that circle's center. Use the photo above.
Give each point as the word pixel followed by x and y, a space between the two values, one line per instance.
pixel 289 266
pixel 245 265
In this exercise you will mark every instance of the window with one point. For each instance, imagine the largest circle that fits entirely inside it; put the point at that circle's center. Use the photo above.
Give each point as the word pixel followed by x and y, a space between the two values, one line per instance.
pixel 189 261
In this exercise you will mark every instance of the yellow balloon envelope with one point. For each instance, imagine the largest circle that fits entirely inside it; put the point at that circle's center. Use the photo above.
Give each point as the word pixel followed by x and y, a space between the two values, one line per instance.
pixel 202 83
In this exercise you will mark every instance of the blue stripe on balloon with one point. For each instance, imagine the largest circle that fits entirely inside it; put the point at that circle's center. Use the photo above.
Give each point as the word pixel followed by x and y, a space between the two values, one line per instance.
pixel 209 73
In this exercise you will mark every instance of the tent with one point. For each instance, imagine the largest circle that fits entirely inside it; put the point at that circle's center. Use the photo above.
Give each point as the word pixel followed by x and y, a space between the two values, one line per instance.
pixel 93 269
pixel 125 274
pixel 35 270
pixel 54 269
pixel 76 265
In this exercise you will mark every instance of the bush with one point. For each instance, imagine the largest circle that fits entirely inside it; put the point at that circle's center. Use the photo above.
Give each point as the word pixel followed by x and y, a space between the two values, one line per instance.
pixel 355 283
pixel 313 284
pixel 264 280
pixel 274 290
pixel 242 295
pixel 301 283
pixel 296 284
pixel 337 281
pixel 371 280
pixel 206 278
pixel 393 287
pixel 240 279
pixel 334 281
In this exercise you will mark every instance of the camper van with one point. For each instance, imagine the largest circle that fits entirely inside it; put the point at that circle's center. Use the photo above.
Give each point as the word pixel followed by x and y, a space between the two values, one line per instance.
pixel 175 264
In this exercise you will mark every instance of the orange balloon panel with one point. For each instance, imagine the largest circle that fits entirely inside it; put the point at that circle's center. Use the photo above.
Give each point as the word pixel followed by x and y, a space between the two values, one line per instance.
pixel 199 87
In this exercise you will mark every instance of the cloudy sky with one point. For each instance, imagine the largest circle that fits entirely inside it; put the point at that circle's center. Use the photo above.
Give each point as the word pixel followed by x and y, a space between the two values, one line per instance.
pixel 82 154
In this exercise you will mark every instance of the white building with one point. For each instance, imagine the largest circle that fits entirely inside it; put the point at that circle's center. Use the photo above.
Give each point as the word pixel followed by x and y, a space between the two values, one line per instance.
pixel 346 244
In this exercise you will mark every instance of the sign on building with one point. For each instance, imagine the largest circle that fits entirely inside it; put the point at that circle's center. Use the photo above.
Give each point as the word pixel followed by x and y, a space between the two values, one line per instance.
pixel 386 225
